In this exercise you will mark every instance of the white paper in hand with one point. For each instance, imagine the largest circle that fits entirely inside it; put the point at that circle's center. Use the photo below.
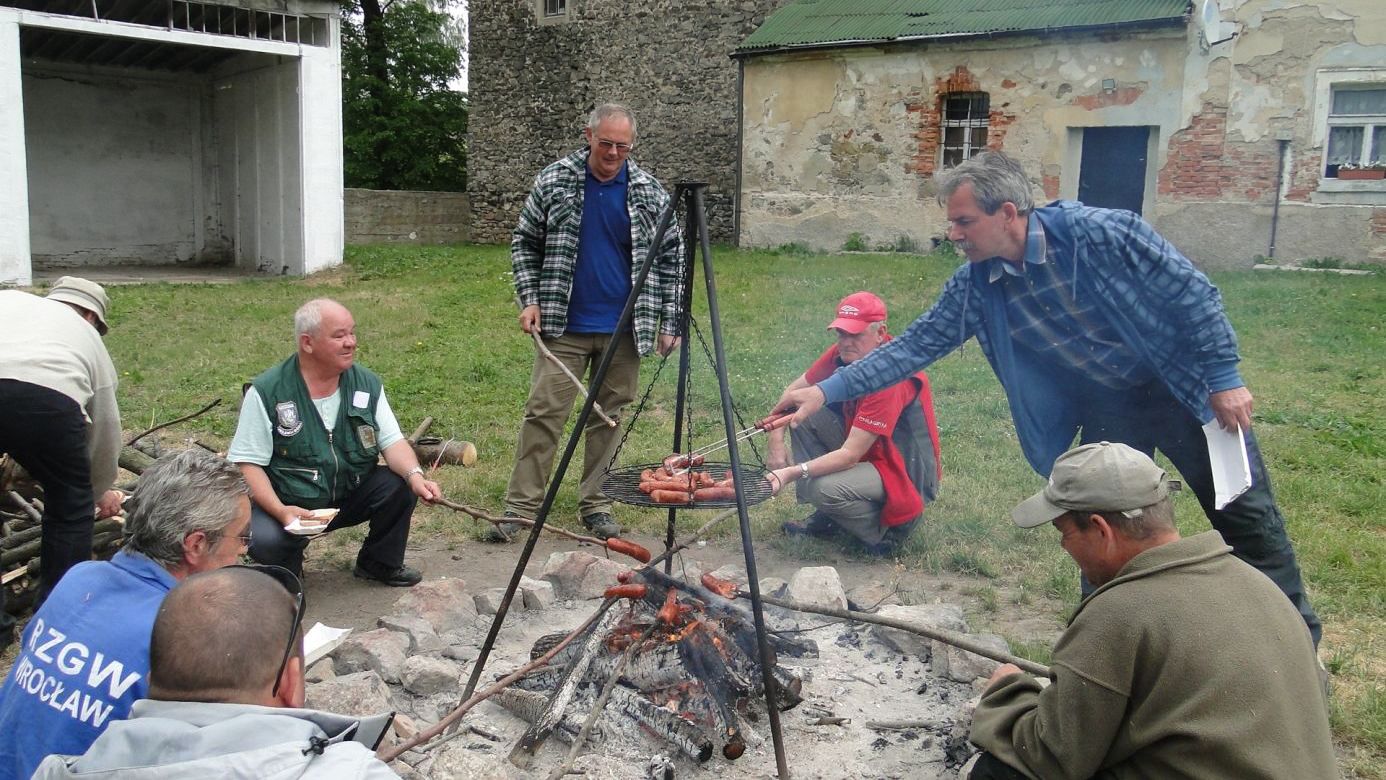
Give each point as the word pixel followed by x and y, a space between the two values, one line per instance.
pixel 1231 468
pixel 321 640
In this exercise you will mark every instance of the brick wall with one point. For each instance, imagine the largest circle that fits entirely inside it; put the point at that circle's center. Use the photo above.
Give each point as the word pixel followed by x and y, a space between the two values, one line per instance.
pixel 409 217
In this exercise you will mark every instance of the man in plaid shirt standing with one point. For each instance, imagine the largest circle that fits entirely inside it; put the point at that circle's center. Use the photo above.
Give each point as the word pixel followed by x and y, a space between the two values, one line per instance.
pixel 584 229
pixel 1097 326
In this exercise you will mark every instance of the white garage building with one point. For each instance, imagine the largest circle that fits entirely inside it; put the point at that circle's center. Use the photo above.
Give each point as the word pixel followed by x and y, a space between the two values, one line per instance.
pixel 170 132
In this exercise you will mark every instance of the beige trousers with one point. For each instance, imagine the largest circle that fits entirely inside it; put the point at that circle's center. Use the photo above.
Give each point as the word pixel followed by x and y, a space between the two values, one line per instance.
pixel 550 403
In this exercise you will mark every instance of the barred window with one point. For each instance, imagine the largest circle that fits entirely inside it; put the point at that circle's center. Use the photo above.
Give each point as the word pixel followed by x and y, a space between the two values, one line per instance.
pixel 964 125
pixel 1356 129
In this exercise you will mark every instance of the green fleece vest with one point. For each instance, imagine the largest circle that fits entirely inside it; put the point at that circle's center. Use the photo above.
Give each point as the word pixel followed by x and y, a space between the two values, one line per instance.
pixel 313 467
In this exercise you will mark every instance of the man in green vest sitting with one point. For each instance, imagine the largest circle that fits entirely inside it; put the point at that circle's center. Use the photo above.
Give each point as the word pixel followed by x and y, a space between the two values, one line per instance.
pixel 310 434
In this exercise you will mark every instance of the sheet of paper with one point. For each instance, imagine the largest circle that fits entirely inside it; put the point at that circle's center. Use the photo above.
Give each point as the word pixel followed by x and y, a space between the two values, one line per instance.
pixel 321 640
pixel 1231 469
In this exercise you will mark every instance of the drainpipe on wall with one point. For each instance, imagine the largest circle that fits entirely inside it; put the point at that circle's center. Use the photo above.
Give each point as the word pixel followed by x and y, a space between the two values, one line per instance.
pixel 736 196
pixel 1284 144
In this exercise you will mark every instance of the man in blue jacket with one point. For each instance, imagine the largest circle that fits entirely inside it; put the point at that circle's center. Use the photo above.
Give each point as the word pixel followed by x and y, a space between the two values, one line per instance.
pixel 1097 326
pixel 84 658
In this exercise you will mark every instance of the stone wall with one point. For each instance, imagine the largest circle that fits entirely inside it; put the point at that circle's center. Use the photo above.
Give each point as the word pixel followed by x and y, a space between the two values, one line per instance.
pixel 534 82
pixel 406 217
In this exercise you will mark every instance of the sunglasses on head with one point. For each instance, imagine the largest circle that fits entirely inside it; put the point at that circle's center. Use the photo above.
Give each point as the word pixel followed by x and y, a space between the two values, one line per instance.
pixel 294 586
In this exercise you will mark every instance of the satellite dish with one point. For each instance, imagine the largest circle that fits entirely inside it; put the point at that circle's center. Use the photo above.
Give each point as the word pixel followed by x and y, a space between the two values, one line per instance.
pixel 1210 25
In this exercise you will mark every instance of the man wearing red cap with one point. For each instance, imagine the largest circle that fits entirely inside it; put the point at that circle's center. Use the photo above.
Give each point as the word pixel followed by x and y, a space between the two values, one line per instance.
pixel 869 464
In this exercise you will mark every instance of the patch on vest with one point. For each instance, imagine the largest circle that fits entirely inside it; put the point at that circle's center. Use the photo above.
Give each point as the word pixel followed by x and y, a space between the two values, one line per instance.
pixel 367 436
pixel 289 421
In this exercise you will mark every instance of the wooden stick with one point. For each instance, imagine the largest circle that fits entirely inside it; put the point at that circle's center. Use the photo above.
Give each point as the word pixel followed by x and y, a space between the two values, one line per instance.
pixel 898 725
pixel 28 508
pixel 596 407
pixel 527 523
pixel 390 754
pixel 947 637
pixel 421 430
pixel 184 418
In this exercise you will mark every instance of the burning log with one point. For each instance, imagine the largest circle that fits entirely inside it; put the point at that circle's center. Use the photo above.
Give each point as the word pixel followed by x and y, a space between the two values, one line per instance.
pixel 544 724
pixel 531 706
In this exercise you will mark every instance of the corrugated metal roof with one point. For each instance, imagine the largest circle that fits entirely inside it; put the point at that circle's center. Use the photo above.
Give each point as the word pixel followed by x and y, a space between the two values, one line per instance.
pixel 828 22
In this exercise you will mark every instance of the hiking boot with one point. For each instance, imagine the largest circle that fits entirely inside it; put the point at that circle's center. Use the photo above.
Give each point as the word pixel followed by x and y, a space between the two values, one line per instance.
pixel 817 525
pixel 399 577
pixel 502 533
pixel 601 525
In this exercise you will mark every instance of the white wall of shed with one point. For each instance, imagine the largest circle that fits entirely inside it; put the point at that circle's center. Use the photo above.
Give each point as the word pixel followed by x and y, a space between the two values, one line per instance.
pixel 14 190
pixel 320 100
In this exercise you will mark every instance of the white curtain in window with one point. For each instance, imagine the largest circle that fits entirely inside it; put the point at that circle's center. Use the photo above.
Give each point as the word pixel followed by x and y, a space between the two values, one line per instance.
pixel 1379 145
pixel 1344 145
pixel 1357 102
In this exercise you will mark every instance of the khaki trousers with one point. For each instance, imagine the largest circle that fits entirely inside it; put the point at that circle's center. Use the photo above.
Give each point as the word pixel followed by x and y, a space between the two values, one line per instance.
pixel 551 397
pixel 852 498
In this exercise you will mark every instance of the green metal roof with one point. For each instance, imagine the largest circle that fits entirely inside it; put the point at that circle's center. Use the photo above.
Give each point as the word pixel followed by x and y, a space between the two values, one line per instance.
pixel 819 23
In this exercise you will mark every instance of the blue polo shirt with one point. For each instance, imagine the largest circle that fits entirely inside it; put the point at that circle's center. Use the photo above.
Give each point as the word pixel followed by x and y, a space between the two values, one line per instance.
pixel 601 278
pixel 83 662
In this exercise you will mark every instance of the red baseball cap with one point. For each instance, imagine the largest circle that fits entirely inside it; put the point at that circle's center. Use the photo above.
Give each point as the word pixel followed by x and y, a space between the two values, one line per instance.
pixel 858 310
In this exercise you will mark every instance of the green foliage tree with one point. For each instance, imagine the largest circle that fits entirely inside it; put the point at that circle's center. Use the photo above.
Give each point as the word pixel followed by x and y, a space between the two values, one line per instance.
pixel 404 127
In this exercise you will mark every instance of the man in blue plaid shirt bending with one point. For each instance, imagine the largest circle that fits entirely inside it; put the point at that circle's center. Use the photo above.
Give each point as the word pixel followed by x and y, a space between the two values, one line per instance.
pixel 585 228
pixel 1097 326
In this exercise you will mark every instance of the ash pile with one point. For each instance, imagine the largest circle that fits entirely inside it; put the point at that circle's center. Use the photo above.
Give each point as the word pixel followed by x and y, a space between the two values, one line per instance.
pixel 855 702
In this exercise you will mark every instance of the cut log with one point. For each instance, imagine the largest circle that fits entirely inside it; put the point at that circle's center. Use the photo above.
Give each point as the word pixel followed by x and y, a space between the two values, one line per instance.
pixel 539 731
pixel 30 549
pixel 432 451
pixel 681 732
pixel 134 461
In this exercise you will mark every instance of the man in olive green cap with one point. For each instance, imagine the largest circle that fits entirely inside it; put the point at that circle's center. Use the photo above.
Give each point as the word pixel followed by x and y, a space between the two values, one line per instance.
pixel 1184 662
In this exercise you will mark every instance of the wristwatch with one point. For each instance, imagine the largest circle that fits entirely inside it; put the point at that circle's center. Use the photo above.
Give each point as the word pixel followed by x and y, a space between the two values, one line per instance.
pixel 412 472
pixel 803 471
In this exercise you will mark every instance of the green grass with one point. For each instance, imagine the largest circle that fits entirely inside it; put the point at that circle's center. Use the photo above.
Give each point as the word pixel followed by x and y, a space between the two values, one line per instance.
pixel 439 325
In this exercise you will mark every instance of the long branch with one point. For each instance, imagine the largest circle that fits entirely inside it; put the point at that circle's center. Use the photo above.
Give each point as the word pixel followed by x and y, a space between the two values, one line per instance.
pixel 524 521
pixel 184 418
pixel 942 635
pixel 390 754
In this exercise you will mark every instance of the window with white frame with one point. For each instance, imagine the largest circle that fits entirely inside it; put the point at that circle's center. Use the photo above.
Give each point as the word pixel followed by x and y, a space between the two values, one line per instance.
pixel 1356 128
pixel 964 125
pixel 555 7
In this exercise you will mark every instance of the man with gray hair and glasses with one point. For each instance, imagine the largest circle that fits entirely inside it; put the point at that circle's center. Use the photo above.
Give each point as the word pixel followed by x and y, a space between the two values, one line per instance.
pixel 222 703
pixel 84 657
pixel 1185 662
pixel 1096 326
pixel 584 230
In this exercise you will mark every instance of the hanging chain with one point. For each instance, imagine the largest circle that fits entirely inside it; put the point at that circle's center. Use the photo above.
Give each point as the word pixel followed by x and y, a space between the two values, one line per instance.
pixel 740 423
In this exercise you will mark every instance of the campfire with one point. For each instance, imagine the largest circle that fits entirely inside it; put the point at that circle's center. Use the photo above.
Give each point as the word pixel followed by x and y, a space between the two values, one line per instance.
pixel 692 676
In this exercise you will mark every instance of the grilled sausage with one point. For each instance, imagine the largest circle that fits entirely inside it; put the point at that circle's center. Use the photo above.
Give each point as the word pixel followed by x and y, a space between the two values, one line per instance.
pixel 627 547
pixel 671 496
pixel 632 591
pixel 719 493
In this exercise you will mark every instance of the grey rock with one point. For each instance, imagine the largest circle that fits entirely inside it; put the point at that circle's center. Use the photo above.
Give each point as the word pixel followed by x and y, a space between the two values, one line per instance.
pixel 456 760
pixel 362 693
pixel 819 586
pixel 871 596
pixel 425 676
pixel 381 651
pixel 322 670
pixel 948 617
pixel 539 594
pixel 460 652
pixel 488 601
pixel 773 587
pixel 599 576
pixel 565 571
pixel 422 637
pixel 962 666
pixel 731 572
pixel 444 604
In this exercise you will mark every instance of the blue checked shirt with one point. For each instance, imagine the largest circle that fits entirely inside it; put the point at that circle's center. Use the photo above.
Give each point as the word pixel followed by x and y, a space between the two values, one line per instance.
pixel 1119 270
pixel 544 248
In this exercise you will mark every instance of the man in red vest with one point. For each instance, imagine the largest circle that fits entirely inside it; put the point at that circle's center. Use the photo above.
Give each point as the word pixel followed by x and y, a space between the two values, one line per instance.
pixel 867 465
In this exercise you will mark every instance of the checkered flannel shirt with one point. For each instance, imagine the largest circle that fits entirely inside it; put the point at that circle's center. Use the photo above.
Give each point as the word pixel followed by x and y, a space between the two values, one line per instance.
pixel 544 248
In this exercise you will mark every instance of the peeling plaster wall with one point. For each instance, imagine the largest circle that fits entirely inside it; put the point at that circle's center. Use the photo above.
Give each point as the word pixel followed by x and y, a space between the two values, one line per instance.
pixel 845 141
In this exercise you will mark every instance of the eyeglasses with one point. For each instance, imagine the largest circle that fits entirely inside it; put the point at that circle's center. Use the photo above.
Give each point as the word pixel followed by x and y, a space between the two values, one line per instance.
pixel 294 586
pixel 607 146
pixel 244 538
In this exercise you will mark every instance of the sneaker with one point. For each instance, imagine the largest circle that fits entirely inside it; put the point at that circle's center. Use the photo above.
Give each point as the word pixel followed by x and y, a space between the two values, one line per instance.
pixel 817 525
pixel 601 525
pixel 502 533
pixel 399 577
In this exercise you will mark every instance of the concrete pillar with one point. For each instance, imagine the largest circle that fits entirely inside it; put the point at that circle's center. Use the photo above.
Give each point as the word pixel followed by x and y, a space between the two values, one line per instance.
pixel 320 128
pixel 15 266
